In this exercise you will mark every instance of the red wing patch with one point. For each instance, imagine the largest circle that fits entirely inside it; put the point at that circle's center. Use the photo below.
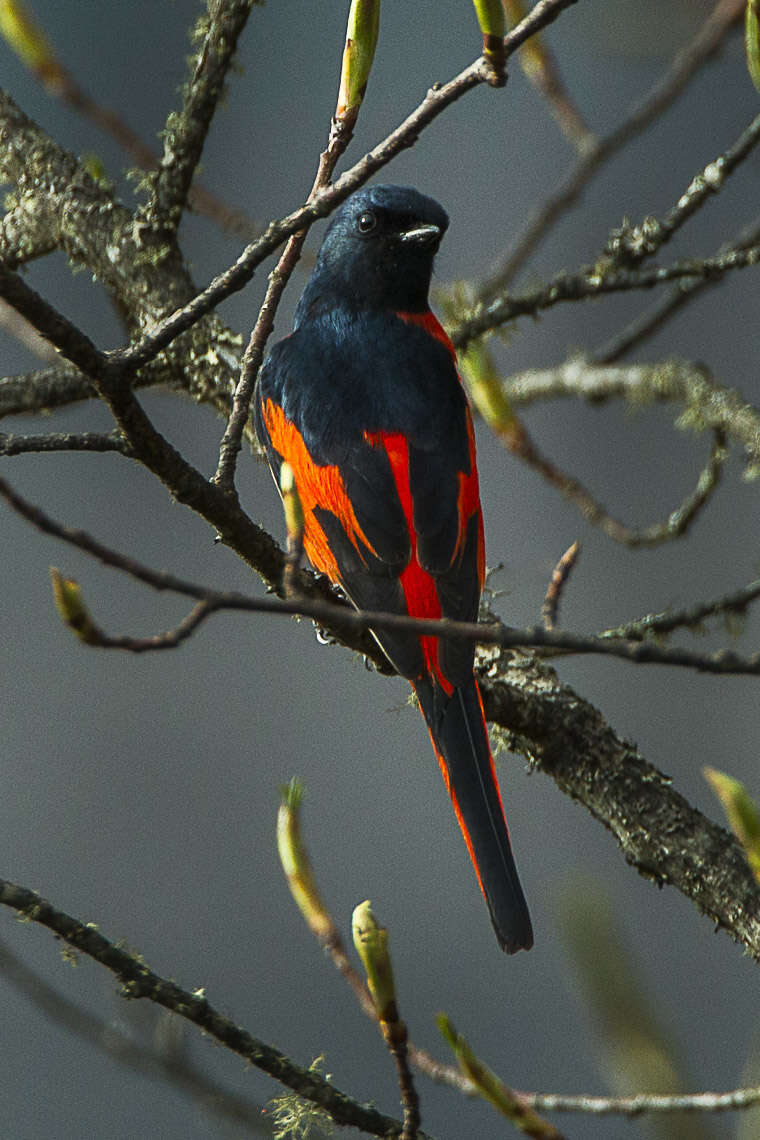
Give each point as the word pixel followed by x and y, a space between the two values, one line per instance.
pixel 318 486
pixel 418 585
pixel 469 492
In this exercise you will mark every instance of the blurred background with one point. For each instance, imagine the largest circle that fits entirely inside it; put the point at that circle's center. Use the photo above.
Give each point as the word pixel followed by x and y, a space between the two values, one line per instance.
pixel 140 792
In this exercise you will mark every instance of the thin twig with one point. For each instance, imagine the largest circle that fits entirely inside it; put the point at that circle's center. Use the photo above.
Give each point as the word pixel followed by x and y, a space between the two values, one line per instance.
pixel 650 322
pixel 111 373
pixel 406 134
pixel 398 1047
pixel 540 65
pixel 590 283
pixel 569 739
pixel 339 137
pixel 170 1066
pixel 706 404
pixel 493 1090
pixel 632 245
pixel 186 132
pixel 63 441
pixel 626 249
pixel 302 881
pixel 342 619
pixel 677 522
pixel 645 1102
pixel 560 575
pixel 236 276
pixel 138 981
pixel 669 87
pixel 70 341
pixel 91 633
pixel 730 605
pixel 110 376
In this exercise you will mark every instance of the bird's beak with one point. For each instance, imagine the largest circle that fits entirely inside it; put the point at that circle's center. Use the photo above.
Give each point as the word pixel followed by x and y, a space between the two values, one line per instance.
pixel 422 235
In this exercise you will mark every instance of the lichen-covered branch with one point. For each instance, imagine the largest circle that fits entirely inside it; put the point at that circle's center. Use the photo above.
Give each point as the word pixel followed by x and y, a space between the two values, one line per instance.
pixel 598 281
pixel 146 276
pixel 733 605
pixel 642 1103
pixel 642 327
pixel 345 623
pixel 658 831
pixel 83 218
pixel 185 131
pixel 63 441
pixel 47 388
pixel 706 404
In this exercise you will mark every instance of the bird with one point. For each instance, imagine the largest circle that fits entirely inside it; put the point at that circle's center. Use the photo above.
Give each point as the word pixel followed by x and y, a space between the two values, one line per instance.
pixel 364 401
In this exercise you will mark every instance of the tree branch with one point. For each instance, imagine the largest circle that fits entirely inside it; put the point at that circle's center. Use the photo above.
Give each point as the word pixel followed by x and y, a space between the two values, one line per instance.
pixel 657 829
pixel 25 233
pixel 236 276
pixel 185 131
pixel 149 1060
pixel 120 254
pixel 110 372
pixel 314 592
pixel 632 245
pixel 660 834
pixel 48 388
pixel 70 341
pixel 640 329
pixel 675 526
pixel 597 281
pixel 344 622
pixel 669 87
pixel 145 276
pixel 64 441
pixel 644 1102
pixel 616 269
pixel 734 605
pixel 110 376
pixel 707 405
pixel 140 982
pixel 59 83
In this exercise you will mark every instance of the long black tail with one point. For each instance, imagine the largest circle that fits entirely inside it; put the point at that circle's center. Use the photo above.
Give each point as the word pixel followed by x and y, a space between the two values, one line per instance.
pixel 458 730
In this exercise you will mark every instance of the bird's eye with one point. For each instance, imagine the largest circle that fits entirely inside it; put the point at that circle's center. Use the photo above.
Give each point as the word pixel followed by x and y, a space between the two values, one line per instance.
pixel 366 222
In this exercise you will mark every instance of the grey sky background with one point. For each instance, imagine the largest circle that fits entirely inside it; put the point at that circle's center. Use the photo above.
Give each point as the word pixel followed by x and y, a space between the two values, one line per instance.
pixel 140 793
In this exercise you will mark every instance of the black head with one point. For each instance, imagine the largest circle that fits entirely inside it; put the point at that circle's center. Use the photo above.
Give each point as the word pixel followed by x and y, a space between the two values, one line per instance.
pixel 378 252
